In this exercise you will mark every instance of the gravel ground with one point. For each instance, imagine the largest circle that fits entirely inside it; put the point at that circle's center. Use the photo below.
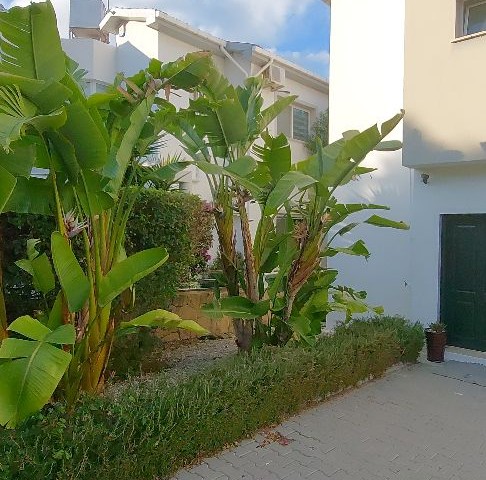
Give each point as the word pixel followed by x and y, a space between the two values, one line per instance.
pixel 181 360
pixel 190 357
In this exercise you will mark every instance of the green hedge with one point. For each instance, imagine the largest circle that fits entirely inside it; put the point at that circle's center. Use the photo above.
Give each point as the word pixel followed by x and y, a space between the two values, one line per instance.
pixel 148 430
pixel 175 220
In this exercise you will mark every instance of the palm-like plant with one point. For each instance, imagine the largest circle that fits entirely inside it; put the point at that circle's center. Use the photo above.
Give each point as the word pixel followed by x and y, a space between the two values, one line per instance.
pixel 218 131
pixel 297 300
pixel 86 145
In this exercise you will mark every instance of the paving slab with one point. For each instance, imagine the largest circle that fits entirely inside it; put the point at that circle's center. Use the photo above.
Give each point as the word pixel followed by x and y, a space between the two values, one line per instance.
pixel 420 422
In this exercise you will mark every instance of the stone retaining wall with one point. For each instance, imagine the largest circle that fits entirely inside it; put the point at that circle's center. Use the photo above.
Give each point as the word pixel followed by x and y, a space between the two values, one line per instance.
pixel 188 305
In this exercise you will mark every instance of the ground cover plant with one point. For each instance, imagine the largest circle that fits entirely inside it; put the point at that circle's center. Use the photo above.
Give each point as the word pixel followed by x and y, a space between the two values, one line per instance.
pixel 148 430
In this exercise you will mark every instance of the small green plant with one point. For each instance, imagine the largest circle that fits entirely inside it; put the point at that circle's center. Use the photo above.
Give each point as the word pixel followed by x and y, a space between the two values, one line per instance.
pixel 436 327
pixel 319 132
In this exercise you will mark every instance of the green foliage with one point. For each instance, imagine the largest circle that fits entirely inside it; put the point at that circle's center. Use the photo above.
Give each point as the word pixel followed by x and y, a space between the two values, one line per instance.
pixel 15 231
pixel 410 335
pixel 178 222
pixel 148 430
pixel 319 132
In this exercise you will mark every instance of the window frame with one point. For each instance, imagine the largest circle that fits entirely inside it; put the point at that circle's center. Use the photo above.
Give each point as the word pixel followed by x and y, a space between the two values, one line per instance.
pixel 466 7
pixel 309 115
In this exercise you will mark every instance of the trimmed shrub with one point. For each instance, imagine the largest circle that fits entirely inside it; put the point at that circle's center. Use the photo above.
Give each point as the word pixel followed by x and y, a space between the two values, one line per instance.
pixel 149 429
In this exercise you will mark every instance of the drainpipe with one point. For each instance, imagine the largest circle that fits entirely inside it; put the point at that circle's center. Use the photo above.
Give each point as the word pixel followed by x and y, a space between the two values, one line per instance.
pixel 227 55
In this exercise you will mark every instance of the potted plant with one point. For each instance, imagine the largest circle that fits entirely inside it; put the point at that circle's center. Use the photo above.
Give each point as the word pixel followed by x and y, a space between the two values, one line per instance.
pixel 436 337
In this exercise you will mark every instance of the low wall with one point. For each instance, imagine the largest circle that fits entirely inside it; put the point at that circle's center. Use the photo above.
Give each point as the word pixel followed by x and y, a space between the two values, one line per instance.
pixel 187 305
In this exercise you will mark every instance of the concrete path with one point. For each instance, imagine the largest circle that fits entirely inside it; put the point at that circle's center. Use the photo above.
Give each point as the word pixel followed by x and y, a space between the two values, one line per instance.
pixel 424 422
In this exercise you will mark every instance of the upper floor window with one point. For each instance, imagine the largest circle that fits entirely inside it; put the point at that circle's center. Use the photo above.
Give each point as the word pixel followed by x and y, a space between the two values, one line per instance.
pixel 300 123
pixel 474 17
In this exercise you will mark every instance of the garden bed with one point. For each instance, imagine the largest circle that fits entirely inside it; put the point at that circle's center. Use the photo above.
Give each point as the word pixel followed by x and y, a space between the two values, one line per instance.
pixel 151 429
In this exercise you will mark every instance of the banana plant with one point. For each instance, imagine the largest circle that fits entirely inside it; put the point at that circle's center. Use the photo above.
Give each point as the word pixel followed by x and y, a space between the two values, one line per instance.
pixel 86 145
pixel 302 292
pixel 218 131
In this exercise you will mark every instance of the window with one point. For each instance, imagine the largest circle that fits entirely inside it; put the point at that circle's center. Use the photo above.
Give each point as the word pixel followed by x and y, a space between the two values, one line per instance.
pixel 300 123
pixel 474 17
pixel 295 122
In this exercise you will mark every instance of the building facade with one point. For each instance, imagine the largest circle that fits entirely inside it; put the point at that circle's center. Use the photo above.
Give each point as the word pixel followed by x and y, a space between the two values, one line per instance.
pixel 137 35
pixel 424 57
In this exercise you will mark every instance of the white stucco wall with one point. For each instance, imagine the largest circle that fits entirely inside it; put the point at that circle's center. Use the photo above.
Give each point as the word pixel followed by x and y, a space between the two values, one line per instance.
pixel 98 58
pixel 366 78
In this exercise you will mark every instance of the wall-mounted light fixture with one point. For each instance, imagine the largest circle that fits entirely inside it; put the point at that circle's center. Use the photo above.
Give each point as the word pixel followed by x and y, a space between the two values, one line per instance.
pixel 425 178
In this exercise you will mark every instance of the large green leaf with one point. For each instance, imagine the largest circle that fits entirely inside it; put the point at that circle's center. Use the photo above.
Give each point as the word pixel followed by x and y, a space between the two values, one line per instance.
pixel 358 249
pixel 241 167
pixel 33 368
pixel 64 156
pixel 17 112
pixel 92 195
pixel 74 282
pixel 20 159
pixel 378 221
pixel 284 188
pixel 30 43
pixel 225 125
pixel 125 273
pixel 272 112
pixel 184 73
pixel 123 154
pixel 163 319
pixel 83 132
pixel 7 186
pixel 39 266
pixel 276 154
pixel 237 307
pixel 31 195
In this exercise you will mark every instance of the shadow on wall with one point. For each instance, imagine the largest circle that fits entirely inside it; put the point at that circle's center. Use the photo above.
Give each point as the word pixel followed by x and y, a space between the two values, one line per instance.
pixel 130 59
pixel 418 150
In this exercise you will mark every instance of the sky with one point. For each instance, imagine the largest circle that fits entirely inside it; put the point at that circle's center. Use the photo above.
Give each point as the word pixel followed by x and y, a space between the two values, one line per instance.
pixel 297 30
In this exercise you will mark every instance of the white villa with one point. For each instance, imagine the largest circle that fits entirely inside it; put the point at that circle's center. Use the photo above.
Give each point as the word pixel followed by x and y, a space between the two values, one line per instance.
pixel 425 57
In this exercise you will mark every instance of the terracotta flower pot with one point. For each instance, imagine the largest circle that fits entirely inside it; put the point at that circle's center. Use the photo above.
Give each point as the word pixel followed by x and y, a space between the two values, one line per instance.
pixel 436 343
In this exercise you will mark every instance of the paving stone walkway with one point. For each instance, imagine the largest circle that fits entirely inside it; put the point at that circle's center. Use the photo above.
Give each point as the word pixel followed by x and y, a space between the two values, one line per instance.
pixel 423 422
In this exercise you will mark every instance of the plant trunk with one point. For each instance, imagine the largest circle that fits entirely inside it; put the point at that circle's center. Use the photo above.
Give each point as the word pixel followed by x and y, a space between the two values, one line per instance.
pixel 244 334
pixel 224 218
pixel 3 309
pixel 3 312
pixel 250 273
pixel 245 327
pixel 301 270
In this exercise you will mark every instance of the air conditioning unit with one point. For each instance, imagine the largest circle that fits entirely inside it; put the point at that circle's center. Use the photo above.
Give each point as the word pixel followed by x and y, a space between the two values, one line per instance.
pixel 275 76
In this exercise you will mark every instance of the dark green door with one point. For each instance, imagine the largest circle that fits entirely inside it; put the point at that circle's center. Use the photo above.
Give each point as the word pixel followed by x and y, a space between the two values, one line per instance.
pixel 463 280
